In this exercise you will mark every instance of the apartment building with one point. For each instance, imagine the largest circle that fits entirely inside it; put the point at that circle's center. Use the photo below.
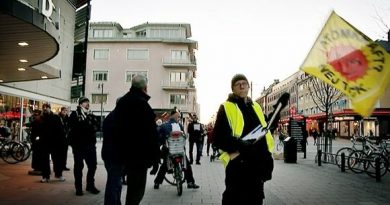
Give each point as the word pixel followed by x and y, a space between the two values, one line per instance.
pixel 163 52
pixel 342 117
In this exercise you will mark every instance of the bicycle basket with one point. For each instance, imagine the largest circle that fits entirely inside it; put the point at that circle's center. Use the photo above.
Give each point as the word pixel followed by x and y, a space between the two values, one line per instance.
pixel 176 143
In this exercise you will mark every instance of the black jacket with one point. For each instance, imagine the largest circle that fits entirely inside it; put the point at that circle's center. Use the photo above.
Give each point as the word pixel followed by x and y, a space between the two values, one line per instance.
pixel 135 129
pixel 196 135
pixel 256 154
pixel 51 136
pixel 82 130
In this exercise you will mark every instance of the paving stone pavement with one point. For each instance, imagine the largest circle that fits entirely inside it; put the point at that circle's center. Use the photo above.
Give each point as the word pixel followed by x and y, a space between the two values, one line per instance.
pixel 301 183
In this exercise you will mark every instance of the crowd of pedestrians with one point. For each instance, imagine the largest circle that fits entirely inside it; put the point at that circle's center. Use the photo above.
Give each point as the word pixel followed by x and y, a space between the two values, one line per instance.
pixel 134 141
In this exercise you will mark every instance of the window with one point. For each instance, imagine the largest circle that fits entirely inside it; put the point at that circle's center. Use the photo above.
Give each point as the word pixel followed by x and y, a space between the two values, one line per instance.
pixel 131 74
pixel 178 99
pixel 102 33
pixel 100 75
pixel 99 98
pixel 166 33
pixel 179 55
pixel 137 54
pixel 178 77
pixel 100 54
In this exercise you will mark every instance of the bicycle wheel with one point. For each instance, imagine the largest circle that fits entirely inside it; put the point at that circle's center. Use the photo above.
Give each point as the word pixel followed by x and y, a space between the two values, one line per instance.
pixel 6 153
pixel 170 179
pixel 347 151
pixel 18 151
pixel 356 161
pixel 369 166
pixel 178 175
pixel 27 151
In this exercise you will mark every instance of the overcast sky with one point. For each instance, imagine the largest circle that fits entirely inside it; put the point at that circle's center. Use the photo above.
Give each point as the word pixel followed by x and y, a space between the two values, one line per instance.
pixel 263 39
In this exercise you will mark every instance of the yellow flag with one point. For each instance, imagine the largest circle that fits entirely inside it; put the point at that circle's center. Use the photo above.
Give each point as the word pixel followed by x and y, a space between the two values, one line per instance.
pixel 345 58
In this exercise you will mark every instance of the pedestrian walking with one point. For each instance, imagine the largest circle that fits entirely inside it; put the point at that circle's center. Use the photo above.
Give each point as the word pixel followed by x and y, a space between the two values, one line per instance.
pixel 248 164
pixel 65 127
pixel 82 138
pixel 136 133
pixel 53 141
pixel 196 136
pixel 112 162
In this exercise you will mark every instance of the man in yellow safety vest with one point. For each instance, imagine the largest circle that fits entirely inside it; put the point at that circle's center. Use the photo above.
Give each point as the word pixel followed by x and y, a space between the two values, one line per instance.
pixel 248 164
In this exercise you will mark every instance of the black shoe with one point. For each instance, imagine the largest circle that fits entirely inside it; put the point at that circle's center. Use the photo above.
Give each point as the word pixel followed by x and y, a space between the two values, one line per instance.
pixel 198 163
pixel 192 185
pixel 156 186
pixel 93 190
pixel 66 169
pixel 191 162
pixel 79 193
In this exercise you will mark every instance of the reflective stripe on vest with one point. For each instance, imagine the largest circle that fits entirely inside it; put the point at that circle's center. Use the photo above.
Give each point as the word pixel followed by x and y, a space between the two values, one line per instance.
pixel 236 122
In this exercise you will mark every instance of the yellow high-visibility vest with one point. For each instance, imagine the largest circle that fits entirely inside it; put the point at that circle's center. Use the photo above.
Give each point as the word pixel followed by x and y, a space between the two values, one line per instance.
pixel 236 122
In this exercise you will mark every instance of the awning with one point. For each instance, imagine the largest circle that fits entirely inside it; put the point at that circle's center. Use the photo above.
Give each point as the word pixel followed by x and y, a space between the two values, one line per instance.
pixel 20 25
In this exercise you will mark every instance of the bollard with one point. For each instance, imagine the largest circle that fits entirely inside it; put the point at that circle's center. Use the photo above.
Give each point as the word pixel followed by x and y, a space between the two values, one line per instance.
pixel 319 153
pixel 342 162
pixel 378 169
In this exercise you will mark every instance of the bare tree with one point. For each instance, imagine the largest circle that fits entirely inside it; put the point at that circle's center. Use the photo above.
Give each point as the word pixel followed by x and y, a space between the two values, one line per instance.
pixel 323 95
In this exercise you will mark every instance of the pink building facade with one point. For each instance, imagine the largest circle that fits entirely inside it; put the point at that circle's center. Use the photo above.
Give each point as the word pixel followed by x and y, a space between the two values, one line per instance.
pixel 162 52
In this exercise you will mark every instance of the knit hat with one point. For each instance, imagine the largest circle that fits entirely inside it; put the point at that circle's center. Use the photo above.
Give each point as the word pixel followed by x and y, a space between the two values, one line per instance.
pixel 238 77
pixel 83 99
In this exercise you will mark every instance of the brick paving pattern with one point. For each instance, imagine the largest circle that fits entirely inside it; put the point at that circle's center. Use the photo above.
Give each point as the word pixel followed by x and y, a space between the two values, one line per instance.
pixel 301 183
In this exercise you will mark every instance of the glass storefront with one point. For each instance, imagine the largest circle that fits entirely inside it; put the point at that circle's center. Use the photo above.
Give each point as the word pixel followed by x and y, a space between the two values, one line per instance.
pixel 16 111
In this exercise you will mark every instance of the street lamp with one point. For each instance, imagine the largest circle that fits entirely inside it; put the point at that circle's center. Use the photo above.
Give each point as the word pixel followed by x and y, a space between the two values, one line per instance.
pixel 101 86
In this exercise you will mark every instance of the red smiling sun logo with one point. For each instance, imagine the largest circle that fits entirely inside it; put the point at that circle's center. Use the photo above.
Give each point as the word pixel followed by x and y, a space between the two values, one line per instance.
pixel 348 61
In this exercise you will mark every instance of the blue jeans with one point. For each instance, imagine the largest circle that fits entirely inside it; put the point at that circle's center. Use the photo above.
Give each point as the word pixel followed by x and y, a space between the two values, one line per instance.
pixel 112 195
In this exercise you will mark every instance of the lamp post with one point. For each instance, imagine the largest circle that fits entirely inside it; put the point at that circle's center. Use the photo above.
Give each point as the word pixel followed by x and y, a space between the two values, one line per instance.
pixel 101 86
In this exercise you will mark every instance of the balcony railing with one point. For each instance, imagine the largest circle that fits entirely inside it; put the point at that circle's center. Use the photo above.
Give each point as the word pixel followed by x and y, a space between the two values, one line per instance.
pixel 178 85
pixel 174 63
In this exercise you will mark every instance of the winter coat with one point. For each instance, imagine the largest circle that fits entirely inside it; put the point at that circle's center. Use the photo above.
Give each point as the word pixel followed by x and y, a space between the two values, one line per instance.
pixel 82 130
pixel 135 130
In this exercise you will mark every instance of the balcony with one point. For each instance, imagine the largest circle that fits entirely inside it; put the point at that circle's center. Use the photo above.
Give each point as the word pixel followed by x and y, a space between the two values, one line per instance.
pixel 179 63
pixel 168 85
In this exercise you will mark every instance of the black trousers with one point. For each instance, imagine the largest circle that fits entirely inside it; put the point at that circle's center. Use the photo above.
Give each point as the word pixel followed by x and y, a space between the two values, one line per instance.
pixel 57 159
pixel 136 183
pixel 243 185
pixel 188 175
pixel 87 154
pixel 199 147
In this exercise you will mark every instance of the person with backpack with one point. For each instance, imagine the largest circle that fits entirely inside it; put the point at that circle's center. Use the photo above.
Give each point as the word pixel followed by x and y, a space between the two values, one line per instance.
pixel 248 163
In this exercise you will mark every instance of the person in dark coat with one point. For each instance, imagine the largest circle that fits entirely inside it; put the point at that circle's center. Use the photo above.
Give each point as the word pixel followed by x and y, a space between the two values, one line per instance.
pixel 82 138
pixel 248 164
pixel 112 162
pixel 65 127
pixel 136 135
pixel 196 136
pixel 52 140
pixel 36 148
